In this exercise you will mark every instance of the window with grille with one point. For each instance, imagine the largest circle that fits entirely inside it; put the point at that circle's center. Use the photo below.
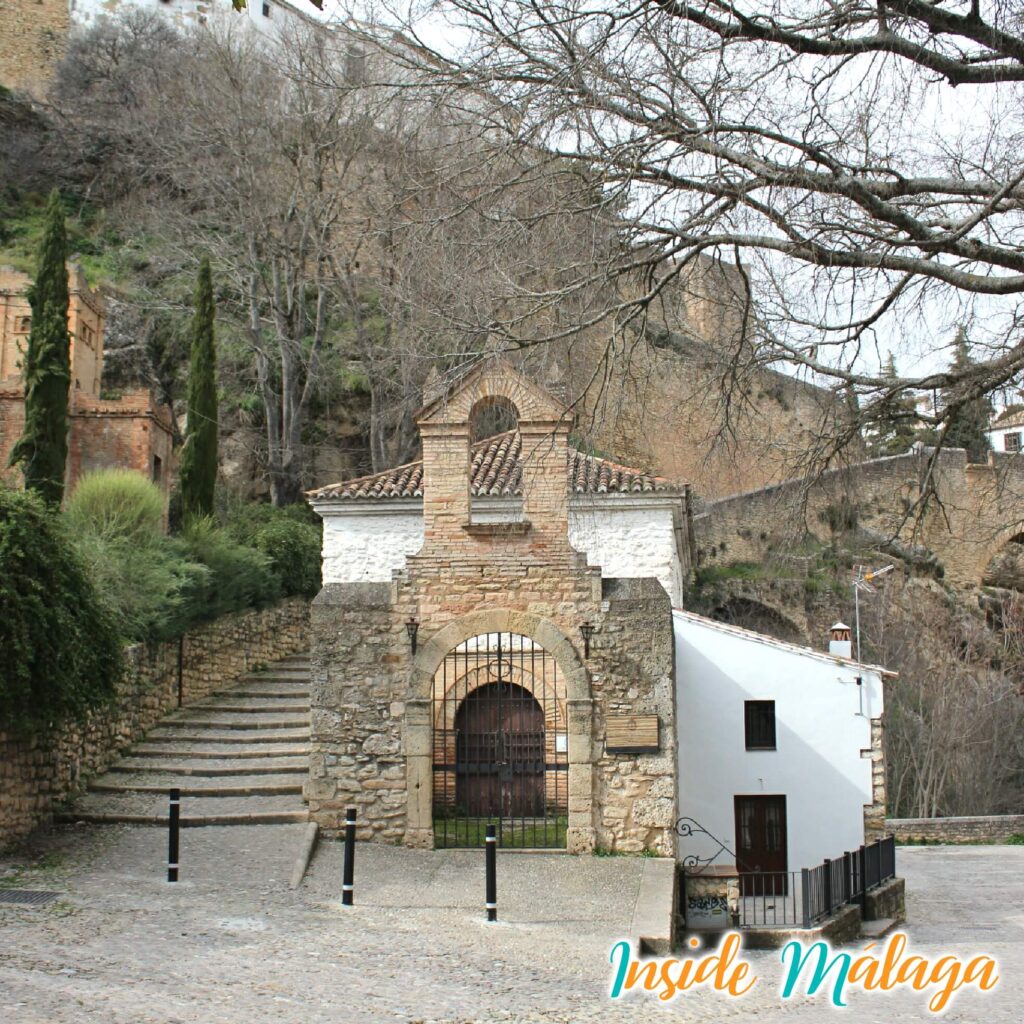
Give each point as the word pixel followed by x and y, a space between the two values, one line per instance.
pixel 1011 442
pixel 760 724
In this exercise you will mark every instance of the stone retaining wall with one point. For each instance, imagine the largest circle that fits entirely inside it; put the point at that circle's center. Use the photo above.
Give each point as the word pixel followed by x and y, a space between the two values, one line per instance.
pixel 40 773
pixel 991 829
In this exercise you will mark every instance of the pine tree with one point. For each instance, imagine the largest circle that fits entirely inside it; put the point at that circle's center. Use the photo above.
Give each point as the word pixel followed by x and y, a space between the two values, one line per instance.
pixel 968 423
pixel 199 453
pixel 896 417
pixel 42 449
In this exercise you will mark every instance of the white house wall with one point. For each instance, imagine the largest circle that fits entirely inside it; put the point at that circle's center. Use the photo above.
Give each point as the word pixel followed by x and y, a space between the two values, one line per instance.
pixel 185 13
pixel 823 722
pixel 368 544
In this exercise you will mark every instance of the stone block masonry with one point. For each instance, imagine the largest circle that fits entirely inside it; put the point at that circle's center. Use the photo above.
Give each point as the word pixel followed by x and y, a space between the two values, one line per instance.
pixel 996 828
pixel 39 774
pixel 32 38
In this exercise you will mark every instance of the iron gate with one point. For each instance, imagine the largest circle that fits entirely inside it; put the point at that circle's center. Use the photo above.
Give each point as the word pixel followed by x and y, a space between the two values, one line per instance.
pixel 500 744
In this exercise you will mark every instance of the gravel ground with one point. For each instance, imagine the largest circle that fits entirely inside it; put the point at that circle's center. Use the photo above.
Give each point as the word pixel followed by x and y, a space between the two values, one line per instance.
pixel 231 942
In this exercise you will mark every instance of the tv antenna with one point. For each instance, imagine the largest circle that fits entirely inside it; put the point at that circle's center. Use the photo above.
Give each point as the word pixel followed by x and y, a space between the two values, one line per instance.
pixel 864 579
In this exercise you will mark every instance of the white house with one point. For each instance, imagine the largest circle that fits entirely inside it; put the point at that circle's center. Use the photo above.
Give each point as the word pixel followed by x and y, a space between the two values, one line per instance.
pixel 776 750
pixel 1007 431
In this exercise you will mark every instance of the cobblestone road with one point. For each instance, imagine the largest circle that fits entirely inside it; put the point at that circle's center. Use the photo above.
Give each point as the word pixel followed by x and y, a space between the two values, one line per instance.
pixel 231 943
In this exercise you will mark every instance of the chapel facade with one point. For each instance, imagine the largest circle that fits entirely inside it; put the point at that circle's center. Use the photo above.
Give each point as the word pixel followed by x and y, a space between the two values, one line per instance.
pixel 496 675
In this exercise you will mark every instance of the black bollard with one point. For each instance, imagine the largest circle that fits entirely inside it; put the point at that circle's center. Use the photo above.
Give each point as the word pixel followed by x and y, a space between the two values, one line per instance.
pixel 173 824
pixel 348 871
pixel 491 862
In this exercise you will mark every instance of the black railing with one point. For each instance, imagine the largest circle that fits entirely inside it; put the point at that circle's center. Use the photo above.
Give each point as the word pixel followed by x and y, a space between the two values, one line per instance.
pixel 803 898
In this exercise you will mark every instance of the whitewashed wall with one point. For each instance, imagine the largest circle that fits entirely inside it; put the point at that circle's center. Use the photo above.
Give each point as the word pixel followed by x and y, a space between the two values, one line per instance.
pixel 184 13
pixel 627 537
pixel 823 722
pixel 997 436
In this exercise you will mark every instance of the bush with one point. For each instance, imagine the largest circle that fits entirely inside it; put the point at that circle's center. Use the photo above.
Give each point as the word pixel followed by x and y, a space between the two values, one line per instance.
pixel 61 651
pixel 147 587
pixel 239 576
pixel 289 537
pixel 116 504
pixel 115 519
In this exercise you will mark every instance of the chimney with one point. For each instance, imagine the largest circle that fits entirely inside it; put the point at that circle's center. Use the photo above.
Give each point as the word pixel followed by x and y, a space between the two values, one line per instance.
pixel 839 642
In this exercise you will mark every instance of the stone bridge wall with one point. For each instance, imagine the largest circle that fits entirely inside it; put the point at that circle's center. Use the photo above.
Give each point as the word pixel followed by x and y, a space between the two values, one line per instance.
pixel 38 774
pixel 995 828
pixel 975 510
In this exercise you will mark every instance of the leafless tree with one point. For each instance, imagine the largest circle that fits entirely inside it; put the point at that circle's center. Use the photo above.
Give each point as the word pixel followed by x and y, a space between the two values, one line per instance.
pixel 857 161
pixel 954 719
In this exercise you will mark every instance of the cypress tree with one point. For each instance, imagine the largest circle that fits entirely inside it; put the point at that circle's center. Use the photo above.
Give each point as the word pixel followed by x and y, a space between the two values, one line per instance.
pixel 968 423
pixel 896 418
pixel 199 453
pixel 42 449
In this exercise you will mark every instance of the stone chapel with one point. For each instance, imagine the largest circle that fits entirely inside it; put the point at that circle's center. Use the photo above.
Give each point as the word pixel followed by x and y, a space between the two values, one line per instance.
pixel 495 673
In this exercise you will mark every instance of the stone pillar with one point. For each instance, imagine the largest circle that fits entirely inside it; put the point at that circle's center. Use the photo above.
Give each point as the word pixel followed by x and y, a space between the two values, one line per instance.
pixel 419 828
pixel 581 836
pixel 446 499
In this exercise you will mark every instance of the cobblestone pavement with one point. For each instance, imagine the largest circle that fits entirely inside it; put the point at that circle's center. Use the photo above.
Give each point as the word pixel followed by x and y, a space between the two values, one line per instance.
pixel 231 942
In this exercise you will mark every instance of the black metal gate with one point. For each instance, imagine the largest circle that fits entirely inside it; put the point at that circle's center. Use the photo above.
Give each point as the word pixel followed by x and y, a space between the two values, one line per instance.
pixel 501 752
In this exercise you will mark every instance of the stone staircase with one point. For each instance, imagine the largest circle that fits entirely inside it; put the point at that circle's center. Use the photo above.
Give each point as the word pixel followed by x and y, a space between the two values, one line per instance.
pixel 239 757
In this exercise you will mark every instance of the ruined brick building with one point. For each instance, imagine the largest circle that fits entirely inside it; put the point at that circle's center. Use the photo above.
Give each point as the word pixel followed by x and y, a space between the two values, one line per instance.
pixel 132 430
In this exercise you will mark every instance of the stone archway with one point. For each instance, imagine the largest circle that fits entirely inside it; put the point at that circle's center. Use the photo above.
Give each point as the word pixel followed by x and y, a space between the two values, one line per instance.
pixel 1004 567
pixel 418 737
pixel 757 615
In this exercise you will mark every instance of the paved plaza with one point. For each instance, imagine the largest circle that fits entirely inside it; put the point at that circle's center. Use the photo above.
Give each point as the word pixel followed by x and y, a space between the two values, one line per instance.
pixel 232 943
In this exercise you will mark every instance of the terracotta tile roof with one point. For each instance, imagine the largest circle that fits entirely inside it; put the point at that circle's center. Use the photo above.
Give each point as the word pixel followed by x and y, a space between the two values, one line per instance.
pixel 497 471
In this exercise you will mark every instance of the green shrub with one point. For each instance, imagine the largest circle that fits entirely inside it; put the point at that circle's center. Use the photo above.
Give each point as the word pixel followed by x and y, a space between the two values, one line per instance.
pixel 115 520
pixel 239 576
pixel 116 504
pixel 290 537
pixel 61 651
pixel 294 552
pixel 147 586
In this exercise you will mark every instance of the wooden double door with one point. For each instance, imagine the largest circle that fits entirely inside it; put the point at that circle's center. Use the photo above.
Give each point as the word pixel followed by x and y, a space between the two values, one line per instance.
pixel 500 753
pixel 761 845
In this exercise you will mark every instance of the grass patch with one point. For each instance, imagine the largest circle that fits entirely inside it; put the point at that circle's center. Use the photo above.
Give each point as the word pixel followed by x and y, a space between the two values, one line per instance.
pixel 707 575
pixel 524 834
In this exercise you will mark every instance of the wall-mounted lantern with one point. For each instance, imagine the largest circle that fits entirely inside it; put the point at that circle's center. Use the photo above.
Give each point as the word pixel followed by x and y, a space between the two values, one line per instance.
pixel 587 629
pixel 412 627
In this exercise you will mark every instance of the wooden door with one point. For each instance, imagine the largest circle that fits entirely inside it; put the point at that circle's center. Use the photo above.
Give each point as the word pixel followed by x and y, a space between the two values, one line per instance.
pixel 500 753
pixel 761 845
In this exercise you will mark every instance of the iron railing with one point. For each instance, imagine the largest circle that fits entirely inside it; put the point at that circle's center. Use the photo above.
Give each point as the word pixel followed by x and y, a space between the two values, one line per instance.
pixel 803 898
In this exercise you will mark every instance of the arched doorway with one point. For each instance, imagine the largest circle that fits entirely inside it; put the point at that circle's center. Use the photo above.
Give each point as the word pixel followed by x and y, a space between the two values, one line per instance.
pixel 500 744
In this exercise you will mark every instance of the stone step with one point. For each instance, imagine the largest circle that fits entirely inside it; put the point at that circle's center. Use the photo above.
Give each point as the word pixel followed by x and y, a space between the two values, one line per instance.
pixel 249 722
pixel 240 785
pixel 209 769
pixel 277 675
pixel 272 690
pixel 239 736
pixel 254 706
pixel 154 805
pixel 877 928
pixel 194 753
pixel 186 821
